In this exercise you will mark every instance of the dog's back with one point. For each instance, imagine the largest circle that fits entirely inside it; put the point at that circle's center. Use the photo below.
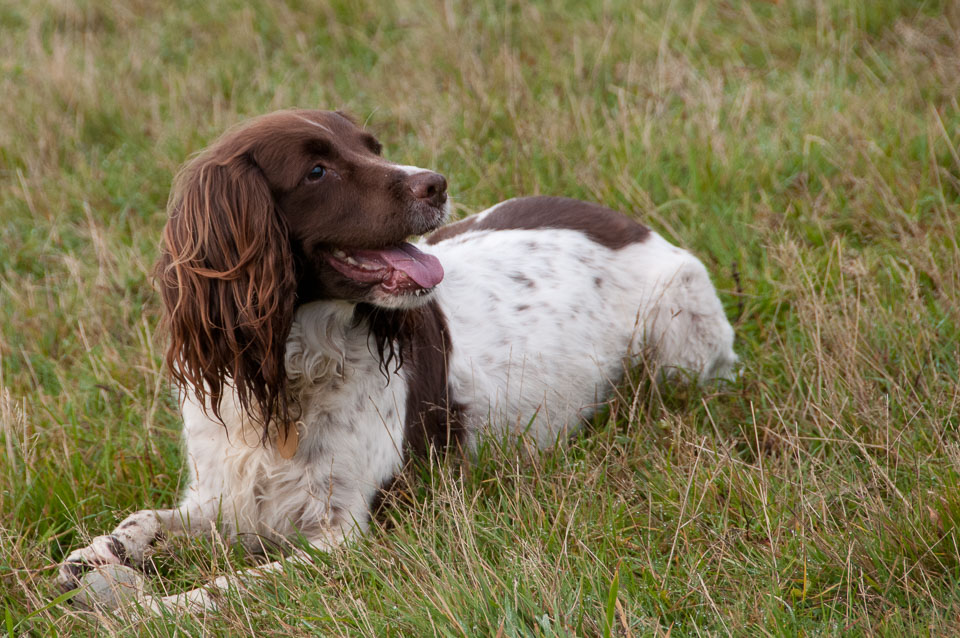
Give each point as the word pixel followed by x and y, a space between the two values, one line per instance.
pixel 546 312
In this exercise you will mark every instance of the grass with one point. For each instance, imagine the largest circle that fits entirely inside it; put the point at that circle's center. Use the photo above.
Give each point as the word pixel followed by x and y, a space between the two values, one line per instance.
pixel 808 152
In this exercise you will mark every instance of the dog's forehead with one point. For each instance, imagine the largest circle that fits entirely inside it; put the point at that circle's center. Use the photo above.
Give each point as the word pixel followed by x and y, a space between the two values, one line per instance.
pixel 333 123
pixel 282 141
pixel 327 129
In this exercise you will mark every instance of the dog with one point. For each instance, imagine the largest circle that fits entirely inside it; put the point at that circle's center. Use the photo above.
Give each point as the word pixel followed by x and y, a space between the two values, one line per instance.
pixel 313 348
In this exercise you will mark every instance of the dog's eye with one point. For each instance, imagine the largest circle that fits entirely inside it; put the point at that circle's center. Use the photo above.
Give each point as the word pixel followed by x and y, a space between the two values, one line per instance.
pixel 316 174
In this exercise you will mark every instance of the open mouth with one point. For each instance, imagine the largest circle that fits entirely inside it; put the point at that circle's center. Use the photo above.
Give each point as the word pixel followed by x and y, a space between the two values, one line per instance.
pixel 398 270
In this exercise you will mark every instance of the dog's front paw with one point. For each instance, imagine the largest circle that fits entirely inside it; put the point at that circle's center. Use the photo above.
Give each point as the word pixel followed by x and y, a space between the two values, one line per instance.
pixel 109 588
pixel 104 550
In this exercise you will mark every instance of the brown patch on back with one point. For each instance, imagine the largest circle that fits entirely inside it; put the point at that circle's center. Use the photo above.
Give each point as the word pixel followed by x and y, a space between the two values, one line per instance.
pixel 601 224
pixel 451 230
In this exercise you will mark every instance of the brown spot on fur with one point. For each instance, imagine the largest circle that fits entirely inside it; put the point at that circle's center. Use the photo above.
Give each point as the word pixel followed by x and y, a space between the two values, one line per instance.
pixel 601 224
pixel 523 279
pixel 118 549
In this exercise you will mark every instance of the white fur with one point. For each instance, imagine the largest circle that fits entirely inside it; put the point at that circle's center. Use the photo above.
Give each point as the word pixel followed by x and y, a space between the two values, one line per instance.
pixel 408 169
pixel 542 324
pixel 536 338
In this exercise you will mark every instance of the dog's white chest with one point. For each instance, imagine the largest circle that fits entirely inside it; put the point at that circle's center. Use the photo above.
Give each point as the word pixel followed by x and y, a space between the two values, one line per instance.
pixel 350 431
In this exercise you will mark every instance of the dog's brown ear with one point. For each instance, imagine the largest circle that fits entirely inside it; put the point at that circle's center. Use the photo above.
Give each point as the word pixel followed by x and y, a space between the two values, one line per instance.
pixel 228 284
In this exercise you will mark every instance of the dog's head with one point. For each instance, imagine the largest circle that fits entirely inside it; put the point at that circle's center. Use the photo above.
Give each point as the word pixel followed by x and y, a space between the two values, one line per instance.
pixel 288 208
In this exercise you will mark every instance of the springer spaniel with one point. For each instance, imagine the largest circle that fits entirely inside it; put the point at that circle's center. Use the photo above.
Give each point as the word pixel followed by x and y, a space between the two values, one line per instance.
pixel 314 347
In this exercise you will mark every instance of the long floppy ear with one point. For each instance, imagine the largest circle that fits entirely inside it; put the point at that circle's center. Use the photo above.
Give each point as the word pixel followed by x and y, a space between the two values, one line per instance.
pixel 228 284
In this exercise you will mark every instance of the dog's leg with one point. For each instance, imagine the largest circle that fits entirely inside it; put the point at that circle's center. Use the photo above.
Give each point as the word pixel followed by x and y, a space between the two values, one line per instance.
pixel 131 544
pixel 208 597
pixel 325 536
pixel 686 326
pixel 138 604
pixel 132 541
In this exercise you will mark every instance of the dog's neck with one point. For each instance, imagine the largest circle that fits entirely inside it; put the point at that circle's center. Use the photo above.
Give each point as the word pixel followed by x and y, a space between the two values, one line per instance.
pixel 317 344
pixel 323 331
pixel 332 344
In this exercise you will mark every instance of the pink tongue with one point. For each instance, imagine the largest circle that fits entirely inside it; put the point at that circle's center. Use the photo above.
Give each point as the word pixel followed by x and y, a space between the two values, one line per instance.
pixel 422 268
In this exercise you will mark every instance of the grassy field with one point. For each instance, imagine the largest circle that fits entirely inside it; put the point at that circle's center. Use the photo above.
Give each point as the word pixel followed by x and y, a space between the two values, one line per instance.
pixel 808 151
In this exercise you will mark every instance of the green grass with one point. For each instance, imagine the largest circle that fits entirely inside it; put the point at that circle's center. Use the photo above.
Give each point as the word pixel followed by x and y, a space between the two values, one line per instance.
pixel 808 152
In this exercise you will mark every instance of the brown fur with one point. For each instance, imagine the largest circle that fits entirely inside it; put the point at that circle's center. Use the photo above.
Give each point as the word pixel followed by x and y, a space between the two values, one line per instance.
pixel 599 223
pixel 227 281
pixel 424 351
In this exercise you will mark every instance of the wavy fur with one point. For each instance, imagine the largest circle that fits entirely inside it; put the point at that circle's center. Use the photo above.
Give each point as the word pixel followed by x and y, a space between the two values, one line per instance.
pixel 227 280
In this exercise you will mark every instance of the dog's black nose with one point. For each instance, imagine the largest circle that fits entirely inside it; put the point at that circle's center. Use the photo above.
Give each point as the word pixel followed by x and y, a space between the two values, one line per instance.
pixel 429 187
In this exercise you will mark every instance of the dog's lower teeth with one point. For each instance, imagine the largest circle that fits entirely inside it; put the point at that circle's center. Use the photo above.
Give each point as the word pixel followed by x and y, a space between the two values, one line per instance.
pixel 339 254
pixel 418 292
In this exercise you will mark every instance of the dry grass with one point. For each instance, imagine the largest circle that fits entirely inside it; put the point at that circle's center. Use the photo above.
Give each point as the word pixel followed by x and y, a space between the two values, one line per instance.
pixel 808 151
